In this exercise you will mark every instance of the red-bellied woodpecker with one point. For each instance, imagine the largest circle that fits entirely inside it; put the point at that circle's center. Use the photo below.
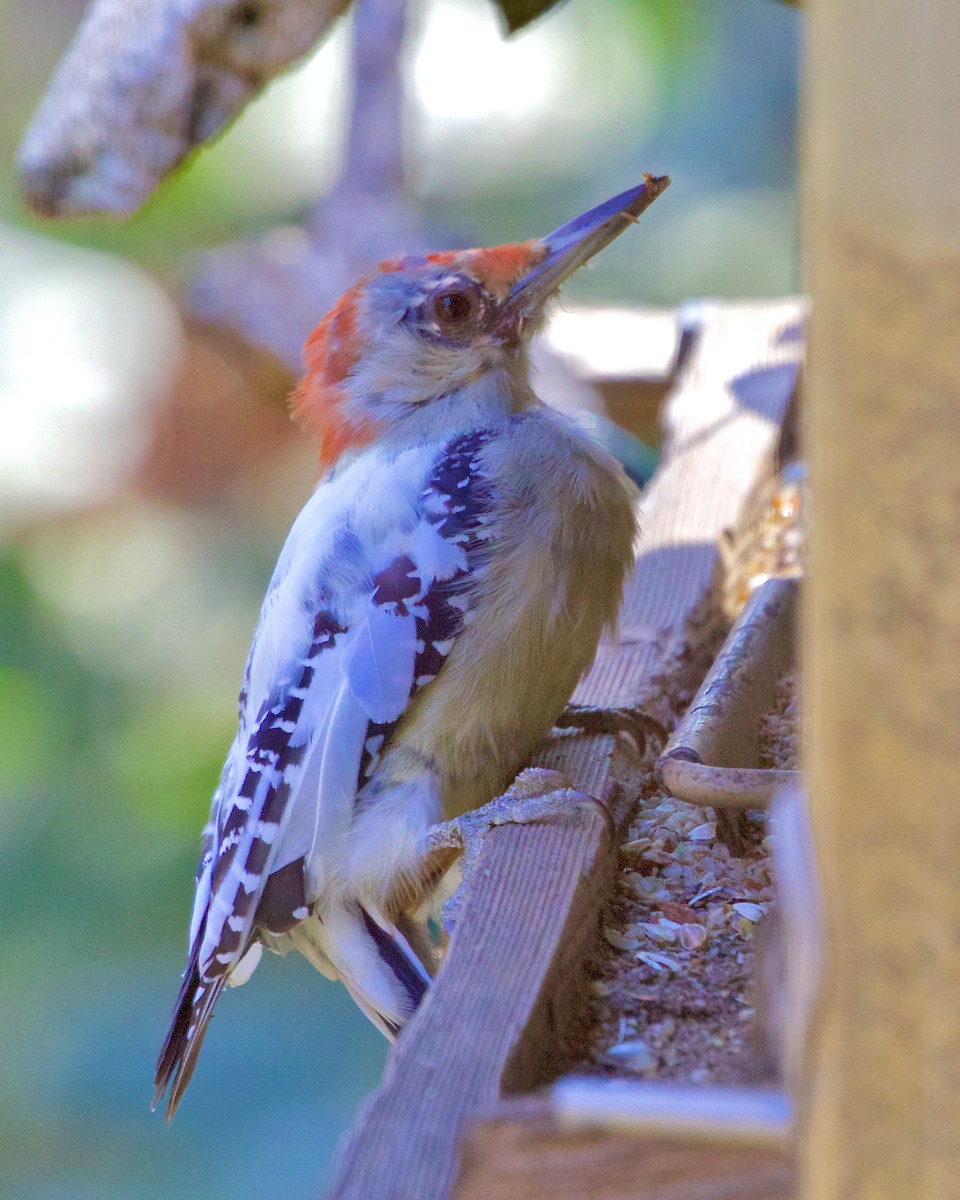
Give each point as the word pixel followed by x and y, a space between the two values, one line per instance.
pixel 431 612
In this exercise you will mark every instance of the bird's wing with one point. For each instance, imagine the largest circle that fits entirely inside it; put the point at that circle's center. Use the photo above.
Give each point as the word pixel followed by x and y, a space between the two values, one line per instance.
pixel 306 747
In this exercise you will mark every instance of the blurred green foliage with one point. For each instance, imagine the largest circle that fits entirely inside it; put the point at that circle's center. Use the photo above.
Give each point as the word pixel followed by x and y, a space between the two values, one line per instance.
pixel 104 784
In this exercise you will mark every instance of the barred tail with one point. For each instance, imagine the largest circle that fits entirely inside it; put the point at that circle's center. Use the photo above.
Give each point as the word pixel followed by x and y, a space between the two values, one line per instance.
pixel 191 1016
pixel 376 961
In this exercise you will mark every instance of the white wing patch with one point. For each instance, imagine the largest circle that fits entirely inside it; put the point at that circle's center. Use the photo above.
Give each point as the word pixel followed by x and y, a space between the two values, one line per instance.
pixel 378 661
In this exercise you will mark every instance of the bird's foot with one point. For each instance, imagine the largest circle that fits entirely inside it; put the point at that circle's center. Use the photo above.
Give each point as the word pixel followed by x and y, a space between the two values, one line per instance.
pixel 537 795
pixel 593 718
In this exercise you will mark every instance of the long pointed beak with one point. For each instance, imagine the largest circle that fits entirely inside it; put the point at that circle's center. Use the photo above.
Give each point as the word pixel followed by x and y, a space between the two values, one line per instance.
pixel 570 246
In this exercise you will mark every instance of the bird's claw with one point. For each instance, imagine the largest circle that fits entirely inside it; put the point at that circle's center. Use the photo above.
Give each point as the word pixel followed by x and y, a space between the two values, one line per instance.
pixel 536 795
pixel 595 719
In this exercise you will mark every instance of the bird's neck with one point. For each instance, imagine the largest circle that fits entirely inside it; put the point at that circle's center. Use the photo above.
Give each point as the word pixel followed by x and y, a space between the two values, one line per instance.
pixel 486 399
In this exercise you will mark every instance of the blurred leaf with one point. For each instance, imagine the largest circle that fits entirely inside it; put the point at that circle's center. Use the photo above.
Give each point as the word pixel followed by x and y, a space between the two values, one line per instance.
pixel 518 13
pixel 28 729
pixel 167 760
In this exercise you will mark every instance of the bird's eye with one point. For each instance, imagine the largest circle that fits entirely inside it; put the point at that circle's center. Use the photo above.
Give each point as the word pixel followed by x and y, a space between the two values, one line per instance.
pixel 452 309
pixel 248 15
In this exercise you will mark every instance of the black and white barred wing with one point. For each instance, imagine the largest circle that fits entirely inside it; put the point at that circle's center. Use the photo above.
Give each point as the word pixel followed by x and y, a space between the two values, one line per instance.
pixel 288 792
pixel 245 839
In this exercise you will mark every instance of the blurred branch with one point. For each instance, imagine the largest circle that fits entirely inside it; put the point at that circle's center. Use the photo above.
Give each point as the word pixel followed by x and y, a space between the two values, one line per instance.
pixel 144 82
pixel 147 80
pixel 270 291
pixel 374 151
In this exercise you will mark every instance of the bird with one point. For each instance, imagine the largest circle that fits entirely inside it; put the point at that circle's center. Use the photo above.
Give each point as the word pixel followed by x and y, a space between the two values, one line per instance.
pixel 431 612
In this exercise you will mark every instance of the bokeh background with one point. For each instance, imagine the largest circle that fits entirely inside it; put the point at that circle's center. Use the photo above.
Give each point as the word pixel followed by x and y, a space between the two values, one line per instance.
pixel 147 479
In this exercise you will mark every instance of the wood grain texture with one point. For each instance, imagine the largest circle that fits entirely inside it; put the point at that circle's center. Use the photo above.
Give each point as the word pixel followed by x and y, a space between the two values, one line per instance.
pixel 504 1015
pixel 882 635
pixel 521 1153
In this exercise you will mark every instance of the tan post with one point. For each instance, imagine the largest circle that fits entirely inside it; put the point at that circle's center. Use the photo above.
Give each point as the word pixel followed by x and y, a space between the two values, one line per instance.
pixel 883 616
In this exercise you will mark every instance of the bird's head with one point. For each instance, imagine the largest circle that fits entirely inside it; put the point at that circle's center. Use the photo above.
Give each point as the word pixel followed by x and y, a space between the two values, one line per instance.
pixel 423 327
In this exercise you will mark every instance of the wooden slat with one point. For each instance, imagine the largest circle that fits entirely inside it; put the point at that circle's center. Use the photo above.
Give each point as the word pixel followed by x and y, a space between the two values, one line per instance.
pixel 523 1153
pixel 503 1016
pixel 743 1116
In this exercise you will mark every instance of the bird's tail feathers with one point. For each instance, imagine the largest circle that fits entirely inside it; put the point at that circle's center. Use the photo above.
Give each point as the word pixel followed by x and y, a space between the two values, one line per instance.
pixel 191 1016
pixel 376 961
pixel 306 937
pixel 399 955
pixel 386 970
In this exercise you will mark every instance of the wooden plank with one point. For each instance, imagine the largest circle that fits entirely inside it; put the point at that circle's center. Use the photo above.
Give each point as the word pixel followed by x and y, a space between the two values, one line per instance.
pixel 503 1016
pixel 523 1152
pixel 745 1116
pixel 883 611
